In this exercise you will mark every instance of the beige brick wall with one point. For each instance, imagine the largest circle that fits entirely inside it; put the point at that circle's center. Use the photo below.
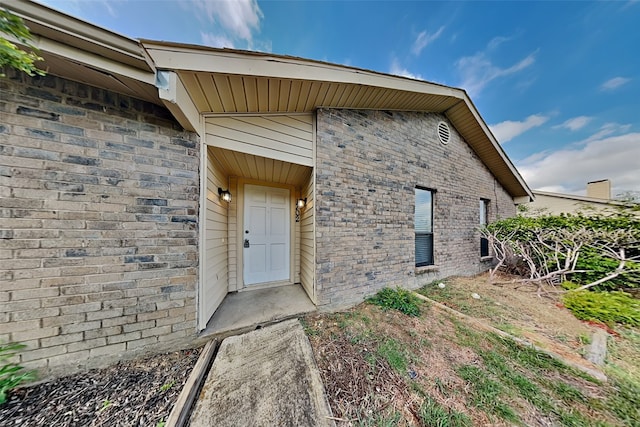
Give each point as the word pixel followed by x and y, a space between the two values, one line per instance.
pixel 98 224
pixel 368 165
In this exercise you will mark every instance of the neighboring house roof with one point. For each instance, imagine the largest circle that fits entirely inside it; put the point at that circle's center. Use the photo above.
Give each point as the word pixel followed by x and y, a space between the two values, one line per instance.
pixel 194 80
pixel 578 198
pixel 556 203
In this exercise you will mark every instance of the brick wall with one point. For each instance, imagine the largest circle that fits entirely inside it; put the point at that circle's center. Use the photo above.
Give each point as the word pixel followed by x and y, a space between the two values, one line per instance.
pixel 368 165
pixel 98 224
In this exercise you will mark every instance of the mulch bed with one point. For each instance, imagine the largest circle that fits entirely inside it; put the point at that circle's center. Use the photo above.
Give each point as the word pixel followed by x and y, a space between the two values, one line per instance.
pixel 139 392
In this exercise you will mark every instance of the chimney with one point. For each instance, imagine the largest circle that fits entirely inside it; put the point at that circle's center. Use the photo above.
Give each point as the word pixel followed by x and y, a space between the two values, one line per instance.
pixel 599 189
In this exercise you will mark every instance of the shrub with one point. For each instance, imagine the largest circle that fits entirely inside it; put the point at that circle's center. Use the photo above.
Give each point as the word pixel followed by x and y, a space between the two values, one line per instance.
pixel 607 307
pixel 549 239
pixel 398 299
pixel 10 373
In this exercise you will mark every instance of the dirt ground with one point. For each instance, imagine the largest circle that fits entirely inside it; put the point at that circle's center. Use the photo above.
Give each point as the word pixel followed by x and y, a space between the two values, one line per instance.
pixel 139 392
pixel 517 309
pixel 366 387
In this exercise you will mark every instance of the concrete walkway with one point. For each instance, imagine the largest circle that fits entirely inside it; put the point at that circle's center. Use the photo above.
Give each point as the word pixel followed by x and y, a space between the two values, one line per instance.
pixel 242 310
pixel 267 377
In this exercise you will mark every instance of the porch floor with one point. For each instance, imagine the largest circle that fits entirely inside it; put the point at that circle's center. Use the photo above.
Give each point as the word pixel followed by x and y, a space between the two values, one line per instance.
pixel 242 311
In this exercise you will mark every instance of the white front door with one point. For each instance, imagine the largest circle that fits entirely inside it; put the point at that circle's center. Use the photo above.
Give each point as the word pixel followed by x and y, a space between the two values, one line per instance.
pixel 266 234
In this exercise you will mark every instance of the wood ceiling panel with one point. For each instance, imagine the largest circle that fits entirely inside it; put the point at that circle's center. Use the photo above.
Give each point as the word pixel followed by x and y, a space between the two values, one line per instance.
pixel 283 95
pixel 260 168
pixel 274 94
pixel 196 92
pixel 294 95
pixel 313 96
pixel 211 91
pixel 224 90
pixel 252 98
pixel 238 91
pixel 263 95
pixel 328 96
pixel 305 89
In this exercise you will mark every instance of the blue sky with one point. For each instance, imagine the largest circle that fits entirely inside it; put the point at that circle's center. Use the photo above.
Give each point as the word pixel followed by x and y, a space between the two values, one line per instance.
pixel 557 82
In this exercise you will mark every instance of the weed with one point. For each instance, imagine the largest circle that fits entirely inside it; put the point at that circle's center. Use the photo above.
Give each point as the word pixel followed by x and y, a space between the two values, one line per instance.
pixel 625 402
pixel 433 414
pixel 509 328
pixel 466 336
pixel 398 299
pixel 487 392
pixel 584 339
pixel 11 374
pixel 529 357
pixel 573 418
pixel 161 423
pixel 391 351
pixel 308 329
pixel 442 388
pixel 167 386
pixel 105 404
pixel 382 420
pixel 566 392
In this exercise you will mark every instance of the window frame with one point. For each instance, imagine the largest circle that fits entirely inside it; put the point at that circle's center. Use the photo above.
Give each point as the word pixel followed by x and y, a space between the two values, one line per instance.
pixel 485 251
pixel 431 260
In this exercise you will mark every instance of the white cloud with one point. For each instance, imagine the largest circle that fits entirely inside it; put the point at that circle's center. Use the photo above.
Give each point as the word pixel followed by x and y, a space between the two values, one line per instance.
pixel 236 20
pixel 568 170
pixel 399 70
pixel 606 130
pixel 614 83
pixel 507 130
pixel 575 123
pixel 478 70
pixel 216 40
pixel 497 41
pixel 424 39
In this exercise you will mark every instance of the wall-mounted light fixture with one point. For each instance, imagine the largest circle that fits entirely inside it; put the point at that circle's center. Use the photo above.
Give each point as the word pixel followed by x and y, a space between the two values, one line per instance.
pixel 300 203
pixel 225 195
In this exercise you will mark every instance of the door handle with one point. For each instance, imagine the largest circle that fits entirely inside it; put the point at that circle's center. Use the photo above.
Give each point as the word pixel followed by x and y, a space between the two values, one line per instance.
pixel 246 243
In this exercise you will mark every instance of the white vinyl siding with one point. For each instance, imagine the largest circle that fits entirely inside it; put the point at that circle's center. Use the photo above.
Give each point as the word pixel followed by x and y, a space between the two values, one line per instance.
pixel 234 284
pixel 307 241
pixel 214 285
pixel 288 138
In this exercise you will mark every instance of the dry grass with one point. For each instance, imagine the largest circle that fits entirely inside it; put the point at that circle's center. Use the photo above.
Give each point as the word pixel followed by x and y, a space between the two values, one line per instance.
pixel 384 368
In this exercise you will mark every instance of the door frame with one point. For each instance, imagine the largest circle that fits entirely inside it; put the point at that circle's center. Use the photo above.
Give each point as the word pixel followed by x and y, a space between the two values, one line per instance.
pixel 240 235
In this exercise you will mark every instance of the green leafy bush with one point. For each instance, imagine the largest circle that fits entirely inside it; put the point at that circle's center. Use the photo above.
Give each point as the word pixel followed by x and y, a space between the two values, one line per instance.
pixel 607 307
pixel 398 299
pixel 11 374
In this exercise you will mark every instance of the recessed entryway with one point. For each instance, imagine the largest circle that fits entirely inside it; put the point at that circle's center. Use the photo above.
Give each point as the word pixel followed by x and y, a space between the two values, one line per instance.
pixel 242 310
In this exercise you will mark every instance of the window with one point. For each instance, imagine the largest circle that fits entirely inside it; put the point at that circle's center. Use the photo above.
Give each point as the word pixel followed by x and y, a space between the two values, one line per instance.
pixel 484 242
pixel 424 227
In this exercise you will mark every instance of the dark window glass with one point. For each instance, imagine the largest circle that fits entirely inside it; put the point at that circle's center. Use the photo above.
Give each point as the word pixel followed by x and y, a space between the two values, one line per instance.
pixel 484 242
pixel 424 227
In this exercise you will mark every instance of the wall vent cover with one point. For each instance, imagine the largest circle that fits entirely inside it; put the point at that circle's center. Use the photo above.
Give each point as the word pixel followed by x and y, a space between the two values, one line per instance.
pixel 444 134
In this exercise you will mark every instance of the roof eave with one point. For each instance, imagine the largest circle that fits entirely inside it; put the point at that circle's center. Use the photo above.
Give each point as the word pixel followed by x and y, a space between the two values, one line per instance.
pixel 198 59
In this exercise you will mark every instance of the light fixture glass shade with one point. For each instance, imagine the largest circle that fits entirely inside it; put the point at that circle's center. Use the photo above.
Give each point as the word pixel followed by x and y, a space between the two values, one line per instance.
pixel 225 195
pixel 302 203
